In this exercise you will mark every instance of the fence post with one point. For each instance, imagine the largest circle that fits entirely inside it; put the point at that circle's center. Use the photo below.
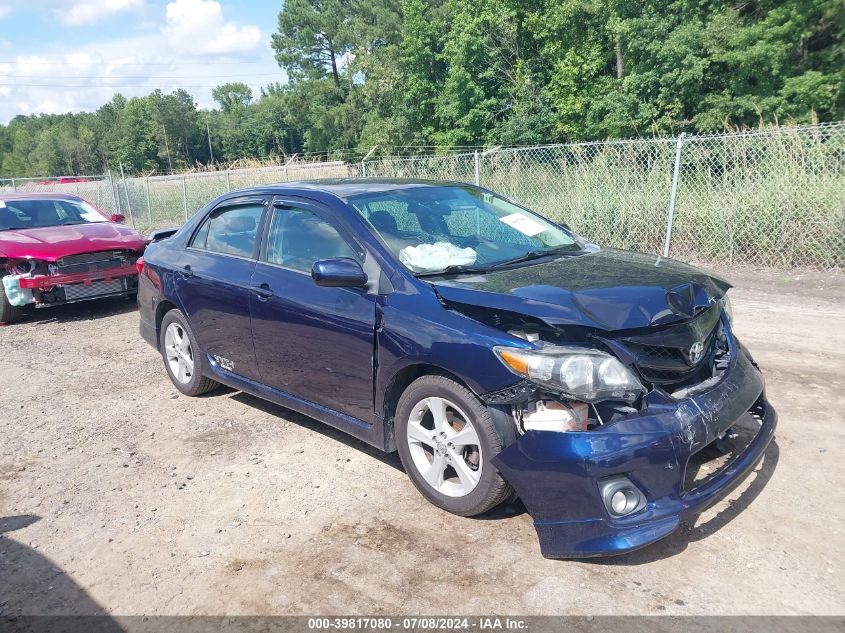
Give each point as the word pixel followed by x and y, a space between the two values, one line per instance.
pixel 228 182
pixel 364 161
pixel 673 195
pixel 477 170
pixel 149 204
pixel 114 196
pixel 288 162
pixel 185 195
pixel 126 189
pixel 14 186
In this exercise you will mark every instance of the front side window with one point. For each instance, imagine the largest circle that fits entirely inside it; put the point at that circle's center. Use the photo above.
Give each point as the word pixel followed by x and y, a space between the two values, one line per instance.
pixel 41 213
pixel 299 237
pixel 429 229
pixel 231 231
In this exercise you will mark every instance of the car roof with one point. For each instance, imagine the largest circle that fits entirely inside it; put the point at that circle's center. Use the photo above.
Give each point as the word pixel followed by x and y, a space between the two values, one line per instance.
pixel 48 195
pixel 349 187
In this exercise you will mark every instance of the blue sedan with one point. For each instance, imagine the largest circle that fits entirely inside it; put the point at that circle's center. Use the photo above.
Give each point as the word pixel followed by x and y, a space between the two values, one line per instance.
pixel 501 354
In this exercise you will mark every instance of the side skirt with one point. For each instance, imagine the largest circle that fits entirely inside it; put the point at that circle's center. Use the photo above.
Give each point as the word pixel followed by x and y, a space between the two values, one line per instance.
pixel 372 434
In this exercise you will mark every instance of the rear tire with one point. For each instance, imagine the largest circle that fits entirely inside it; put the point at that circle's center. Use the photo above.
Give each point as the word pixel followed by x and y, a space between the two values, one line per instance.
pixel 183 359
pixel 8 312
pixel 446 438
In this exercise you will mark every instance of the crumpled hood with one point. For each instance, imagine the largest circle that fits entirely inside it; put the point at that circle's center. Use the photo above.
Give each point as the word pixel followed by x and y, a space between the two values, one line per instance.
pixel 54 242
pixel 607 290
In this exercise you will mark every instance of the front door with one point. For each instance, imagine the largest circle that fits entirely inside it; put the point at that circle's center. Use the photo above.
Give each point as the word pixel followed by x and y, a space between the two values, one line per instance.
pixel 313 342
pixel 213 280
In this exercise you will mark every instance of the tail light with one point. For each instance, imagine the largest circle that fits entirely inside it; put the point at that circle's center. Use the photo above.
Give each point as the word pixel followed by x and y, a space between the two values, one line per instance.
pixel 139 265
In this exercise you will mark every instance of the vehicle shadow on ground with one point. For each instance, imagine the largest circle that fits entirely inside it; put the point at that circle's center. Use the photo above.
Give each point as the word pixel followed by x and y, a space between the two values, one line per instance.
pixel 503 511
pixel 391 459
pixel 679 540
pixel 32 585
pixel 82 311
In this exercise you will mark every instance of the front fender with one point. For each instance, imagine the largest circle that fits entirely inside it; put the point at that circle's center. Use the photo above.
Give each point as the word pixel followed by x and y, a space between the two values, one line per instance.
pixel 414 328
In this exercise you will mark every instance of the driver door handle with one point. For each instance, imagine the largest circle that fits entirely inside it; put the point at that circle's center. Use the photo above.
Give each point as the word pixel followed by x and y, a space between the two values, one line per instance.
pixel 263 291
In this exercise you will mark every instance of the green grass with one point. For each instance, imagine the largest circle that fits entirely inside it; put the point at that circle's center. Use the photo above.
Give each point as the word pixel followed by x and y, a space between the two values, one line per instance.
pixel 773 199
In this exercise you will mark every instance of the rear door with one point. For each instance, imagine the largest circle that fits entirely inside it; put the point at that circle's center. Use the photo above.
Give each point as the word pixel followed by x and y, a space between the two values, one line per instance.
pixel 213 281
pixel 310 341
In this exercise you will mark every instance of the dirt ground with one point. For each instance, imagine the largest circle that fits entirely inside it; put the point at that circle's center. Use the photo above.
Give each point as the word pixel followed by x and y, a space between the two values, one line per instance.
pixel 118 495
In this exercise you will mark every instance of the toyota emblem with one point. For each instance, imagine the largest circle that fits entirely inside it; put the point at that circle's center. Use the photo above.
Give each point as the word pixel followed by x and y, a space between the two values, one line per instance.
pixel 696 352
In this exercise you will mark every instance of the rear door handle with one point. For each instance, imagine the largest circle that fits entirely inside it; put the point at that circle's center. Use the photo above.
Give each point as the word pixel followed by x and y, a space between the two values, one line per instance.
pixel 186 271
pixel 263 291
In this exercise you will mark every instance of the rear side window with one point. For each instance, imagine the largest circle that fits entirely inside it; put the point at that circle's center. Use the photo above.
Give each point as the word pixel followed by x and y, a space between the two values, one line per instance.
pixel 231 231
pixel 299 237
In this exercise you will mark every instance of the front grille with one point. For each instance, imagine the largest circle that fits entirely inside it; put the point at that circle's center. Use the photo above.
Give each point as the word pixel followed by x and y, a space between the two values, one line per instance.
pixel 88 258
pixel 657 352
pixel 74 292
pixel 91 262
pixel 664 357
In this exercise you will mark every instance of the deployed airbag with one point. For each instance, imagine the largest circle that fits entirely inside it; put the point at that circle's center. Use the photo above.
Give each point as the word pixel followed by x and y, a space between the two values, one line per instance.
pixel 433 257
pixel 16 295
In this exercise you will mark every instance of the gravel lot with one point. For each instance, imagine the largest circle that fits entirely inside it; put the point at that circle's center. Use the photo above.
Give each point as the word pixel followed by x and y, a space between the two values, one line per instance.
pixel 118 495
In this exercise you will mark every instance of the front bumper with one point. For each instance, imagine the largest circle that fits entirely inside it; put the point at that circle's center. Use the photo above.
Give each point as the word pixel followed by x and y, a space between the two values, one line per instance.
pixel 557 474
pixel 69 288
pixel 45 282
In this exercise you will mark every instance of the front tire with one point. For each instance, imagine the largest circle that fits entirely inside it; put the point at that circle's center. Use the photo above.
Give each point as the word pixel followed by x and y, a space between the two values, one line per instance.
pixel 8 313
pixel 183 358
pixel 446 438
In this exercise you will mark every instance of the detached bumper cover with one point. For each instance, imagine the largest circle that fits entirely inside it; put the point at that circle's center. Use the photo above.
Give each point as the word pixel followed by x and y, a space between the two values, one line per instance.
pixel 557 474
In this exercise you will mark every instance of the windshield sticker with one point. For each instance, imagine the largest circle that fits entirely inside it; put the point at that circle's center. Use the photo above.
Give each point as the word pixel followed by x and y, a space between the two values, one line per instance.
pixel 92 216
pixel 523 224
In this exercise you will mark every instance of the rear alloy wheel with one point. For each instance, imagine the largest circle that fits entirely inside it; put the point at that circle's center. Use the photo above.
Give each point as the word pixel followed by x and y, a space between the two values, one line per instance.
pixel 446 437
pixel 179 353
pixel 182 357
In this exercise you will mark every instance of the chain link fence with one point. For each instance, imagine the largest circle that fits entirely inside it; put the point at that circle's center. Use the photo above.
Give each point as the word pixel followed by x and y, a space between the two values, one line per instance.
pixel 771 198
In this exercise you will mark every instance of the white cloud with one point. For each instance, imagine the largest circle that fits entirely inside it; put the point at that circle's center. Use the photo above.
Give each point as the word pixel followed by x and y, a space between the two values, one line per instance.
pixel 93 11
pixel 198 27
pixel 5 10
pixel 178 50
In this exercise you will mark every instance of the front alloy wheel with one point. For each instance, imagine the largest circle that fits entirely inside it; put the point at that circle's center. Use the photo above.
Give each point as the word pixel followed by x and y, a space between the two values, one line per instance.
pixel 446 438
pixel 444 447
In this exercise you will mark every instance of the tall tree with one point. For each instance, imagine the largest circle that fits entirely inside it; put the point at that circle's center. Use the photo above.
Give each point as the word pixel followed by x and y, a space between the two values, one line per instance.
pixel 232 97
pixel 313 35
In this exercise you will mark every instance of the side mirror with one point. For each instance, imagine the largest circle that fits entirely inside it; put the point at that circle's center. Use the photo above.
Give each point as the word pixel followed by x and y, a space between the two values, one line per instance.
pixel 338 272
pixel 117 217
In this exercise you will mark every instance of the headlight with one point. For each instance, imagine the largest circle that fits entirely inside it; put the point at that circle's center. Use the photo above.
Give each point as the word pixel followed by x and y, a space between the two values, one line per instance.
pixel 579 373
pixel 725 302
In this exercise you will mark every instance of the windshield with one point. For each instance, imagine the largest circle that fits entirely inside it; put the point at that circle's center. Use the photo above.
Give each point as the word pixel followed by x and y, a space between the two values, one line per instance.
pixel 453 228
pixel 39 213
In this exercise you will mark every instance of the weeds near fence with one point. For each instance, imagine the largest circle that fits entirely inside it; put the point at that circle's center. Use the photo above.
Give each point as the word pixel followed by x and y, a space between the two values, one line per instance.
pixel 772 198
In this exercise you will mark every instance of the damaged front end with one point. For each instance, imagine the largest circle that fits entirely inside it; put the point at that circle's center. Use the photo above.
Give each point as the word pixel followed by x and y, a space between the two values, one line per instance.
pixel 71 278
pixel 608 422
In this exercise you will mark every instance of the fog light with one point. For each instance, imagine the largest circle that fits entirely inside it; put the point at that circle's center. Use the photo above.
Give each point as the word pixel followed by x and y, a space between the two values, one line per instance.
pixel 621 497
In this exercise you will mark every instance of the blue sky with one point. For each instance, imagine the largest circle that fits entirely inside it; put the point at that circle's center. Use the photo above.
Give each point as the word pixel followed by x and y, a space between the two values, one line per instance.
pixel 66 56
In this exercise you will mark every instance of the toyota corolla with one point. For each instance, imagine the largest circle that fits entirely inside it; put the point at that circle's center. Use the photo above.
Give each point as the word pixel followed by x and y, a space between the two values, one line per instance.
pixel 499 353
